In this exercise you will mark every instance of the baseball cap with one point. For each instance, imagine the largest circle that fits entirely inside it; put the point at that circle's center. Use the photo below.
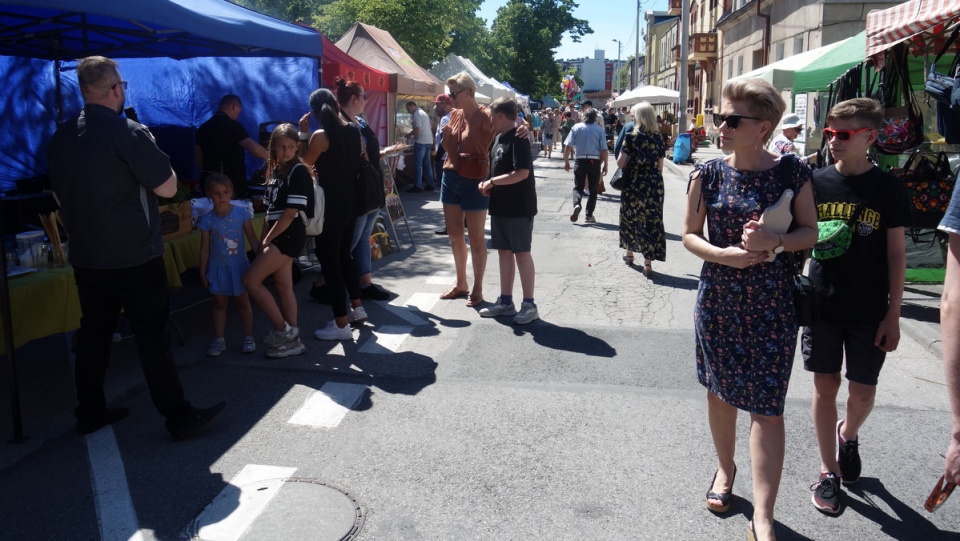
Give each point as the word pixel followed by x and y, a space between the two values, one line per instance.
pixel 791 121
pixel 588 102
pixel 444 99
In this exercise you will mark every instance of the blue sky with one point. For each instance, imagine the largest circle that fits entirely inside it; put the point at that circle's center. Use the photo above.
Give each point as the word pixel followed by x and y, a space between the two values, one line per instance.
pixel 615 20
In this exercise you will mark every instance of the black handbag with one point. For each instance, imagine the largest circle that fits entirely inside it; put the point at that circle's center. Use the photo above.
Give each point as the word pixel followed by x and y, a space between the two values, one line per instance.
pixel 804 294
pixel 370 190
pixel 618 181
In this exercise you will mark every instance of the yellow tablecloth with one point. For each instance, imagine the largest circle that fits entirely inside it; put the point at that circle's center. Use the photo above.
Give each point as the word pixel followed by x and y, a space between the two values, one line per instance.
pixel 42 303
pixel 45 303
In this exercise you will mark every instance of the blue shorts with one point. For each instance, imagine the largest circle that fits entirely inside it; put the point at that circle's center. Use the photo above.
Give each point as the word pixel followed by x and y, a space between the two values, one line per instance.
pixel 459 190
pixel 951 220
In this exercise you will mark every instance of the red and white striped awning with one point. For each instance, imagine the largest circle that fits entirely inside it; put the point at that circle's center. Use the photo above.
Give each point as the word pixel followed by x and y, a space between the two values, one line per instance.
pixel 887 27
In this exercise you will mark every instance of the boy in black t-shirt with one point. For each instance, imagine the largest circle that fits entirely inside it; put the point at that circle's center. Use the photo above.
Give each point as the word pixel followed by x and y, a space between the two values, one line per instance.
pixel 513 204
pixel 859 291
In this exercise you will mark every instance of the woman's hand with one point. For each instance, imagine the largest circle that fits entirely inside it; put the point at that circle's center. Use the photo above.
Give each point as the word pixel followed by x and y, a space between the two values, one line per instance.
pixel 305 123
pixel 756 239
pixel 737 257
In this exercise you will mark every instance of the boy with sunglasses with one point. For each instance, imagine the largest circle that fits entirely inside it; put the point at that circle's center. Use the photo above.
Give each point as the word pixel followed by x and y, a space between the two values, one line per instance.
pixel 860 291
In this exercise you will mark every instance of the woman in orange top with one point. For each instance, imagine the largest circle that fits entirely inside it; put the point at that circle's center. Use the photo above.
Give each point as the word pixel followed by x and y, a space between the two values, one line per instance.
pixel 466 139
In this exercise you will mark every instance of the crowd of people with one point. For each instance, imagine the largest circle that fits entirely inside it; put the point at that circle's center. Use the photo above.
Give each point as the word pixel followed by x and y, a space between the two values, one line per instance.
pixel 107 173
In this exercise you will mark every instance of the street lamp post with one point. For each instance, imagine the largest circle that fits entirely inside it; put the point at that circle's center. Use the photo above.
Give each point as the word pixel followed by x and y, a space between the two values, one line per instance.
pixel 616 67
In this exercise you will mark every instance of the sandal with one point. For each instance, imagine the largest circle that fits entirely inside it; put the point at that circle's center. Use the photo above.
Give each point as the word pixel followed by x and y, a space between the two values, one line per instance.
pixel 474 300
pixel 453 293
pixel 628 259
pixel 647 269
pixel 723 498
pixel 752 533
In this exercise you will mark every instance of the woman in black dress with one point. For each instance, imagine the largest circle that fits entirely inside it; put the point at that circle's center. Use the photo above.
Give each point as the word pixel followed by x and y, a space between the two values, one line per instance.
pixel 334 151
pixel 641 202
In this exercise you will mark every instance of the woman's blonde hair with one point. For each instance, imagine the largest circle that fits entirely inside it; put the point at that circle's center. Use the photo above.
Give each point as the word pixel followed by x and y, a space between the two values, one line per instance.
pixel 463 80
pixel 644 118
pixel 762 99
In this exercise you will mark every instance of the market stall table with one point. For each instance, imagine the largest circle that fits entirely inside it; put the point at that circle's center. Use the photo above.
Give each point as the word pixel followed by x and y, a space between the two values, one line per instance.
pixel 43 303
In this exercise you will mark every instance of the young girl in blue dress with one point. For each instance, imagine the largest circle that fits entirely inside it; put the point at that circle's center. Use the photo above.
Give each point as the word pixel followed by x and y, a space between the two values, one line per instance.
pixel 223 261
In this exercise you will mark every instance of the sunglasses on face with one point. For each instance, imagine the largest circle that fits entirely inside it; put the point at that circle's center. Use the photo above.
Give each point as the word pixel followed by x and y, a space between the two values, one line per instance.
pixel 843 135
pixel 453 95
pixel 733 121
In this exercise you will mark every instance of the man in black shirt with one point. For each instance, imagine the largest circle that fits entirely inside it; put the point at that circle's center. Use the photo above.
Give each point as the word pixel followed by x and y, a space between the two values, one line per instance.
pixel 221 142
pixel 107 172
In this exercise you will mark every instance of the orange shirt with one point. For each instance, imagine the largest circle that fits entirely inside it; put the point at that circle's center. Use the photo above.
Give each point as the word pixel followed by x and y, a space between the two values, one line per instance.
pixel 467 142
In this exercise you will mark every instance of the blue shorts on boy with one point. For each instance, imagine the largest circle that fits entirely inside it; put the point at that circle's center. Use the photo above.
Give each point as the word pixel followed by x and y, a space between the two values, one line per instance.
pixel 228 253
pixel 951 220
pixel 512 206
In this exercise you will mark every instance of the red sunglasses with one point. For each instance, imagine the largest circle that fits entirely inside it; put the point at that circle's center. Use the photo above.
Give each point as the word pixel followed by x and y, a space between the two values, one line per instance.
pixel 843 135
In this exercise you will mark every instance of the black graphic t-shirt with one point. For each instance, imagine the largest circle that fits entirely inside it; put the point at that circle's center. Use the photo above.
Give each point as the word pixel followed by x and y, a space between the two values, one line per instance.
pixel 855 286
pixel 519 200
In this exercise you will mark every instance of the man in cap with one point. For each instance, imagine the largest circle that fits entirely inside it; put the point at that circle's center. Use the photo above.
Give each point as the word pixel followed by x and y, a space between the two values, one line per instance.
pixel 782 144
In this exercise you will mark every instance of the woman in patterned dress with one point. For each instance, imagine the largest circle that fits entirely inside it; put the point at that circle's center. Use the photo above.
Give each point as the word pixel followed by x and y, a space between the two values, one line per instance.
pixel 641 202
pixel 745 320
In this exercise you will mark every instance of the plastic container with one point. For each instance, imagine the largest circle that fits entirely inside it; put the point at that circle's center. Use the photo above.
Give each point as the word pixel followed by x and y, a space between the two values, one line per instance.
pixel 25 243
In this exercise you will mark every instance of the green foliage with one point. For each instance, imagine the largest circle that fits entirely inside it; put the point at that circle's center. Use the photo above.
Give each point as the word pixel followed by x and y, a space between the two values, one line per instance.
pixel 285 10
pixel 426 29
pixel 525 35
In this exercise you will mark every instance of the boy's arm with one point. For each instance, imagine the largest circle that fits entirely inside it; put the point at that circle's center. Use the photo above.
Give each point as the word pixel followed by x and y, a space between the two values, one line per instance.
pixel 888 334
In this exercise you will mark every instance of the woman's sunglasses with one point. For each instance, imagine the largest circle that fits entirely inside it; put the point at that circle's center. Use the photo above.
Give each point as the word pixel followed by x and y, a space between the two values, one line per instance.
pixel 453 95
pixel 843 135
pixel 733 121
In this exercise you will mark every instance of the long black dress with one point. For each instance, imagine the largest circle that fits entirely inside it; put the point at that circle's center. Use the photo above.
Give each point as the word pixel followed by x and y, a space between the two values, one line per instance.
pixel 641 201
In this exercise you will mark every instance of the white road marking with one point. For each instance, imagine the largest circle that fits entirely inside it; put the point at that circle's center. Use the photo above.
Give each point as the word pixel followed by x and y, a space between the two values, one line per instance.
pixel 444 277
pixel 406 314
pixel 423 301
pixel 328 406
pixel 115 512
pixel 388 339
pixel 232 512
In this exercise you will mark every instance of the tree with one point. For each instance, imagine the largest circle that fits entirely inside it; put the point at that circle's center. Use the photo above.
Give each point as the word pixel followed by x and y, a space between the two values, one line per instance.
pixel 285 10
pixel 524 36
pixel 426 29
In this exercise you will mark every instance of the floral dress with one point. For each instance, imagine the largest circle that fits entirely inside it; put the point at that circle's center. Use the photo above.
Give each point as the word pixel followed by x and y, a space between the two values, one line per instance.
pixel 744 319
pixel 641 201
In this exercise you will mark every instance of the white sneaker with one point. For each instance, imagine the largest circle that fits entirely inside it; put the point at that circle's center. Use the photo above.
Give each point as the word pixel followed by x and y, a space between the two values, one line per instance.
pixel 292 333
pixel 528 313
pixel 356 315
pixel 498 309
pixel 332 332
pixel 275 339
pixel 288 348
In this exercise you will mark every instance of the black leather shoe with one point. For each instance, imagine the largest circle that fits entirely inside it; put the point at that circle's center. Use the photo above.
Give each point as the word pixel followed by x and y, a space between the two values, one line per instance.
pixel 374 292
pixel 185 425
pixel 442 231
pixel 109 416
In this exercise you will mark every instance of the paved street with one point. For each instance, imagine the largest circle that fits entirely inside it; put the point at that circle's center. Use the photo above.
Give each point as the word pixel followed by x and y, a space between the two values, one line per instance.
pixel 437 424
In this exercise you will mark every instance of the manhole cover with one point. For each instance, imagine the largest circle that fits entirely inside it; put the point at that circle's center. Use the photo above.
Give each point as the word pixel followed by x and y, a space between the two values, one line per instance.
pixel 300 508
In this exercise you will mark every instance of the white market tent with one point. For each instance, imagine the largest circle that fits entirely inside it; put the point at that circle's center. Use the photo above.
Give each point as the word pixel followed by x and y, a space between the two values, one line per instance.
pixel 780 73
pixel 648 93
pixel 488 86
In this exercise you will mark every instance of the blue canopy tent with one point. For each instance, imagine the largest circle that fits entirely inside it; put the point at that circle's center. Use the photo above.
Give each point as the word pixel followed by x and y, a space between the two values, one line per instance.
pixel 180 57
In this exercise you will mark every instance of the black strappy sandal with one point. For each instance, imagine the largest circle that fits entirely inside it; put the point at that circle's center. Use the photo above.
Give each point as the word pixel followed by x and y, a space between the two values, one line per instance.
pixel 723 498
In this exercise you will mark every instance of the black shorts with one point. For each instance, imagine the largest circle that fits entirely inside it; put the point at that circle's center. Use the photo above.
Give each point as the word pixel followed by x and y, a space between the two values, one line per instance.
pixel 823 350
pixel 291 242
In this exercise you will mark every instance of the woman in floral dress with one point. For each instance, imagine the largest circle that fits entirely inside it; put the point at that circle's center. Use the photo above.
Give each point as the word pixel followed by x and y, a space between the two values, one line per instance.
pixel 641 202
pixel 745 320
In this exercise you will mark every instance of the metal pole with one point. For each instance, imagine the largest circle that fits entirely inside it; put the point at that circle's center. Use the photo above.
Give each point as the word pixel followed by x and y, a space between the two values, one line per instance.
pixel 5 310
pixel 616 67
pixel 634 73
pixel 684 46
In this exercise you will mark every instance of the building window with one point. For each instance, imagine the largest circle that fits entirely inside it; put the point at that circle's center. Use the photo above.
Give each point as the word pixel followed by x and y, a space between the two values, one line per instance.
pixel 740 65
pixel 779 54
pixel 730 69
pixel 757 59
pixel 798 45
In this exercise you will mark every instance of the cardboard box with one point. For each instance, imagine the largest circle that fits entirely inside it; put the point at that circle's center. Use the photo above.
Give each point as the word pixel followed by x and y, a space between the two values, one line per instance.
pixel 175 220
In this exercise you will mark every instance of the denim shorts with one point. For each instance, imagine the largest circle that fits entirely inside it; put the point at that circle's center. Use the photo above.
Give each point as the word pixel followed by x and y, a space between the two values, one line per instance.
pixel 951 220
pixel 459 190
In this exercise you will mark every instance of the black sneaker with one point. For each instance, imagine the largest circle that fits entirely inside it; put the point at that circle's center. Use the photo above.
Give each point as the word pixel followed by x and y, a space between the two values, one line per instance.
pixel 576 213
pixel 88 425
pixel 826 493
pixel 187 424
pixel 441 231
pixel 414 189
pixel 848 457
pixel 590 219
pixel 374 292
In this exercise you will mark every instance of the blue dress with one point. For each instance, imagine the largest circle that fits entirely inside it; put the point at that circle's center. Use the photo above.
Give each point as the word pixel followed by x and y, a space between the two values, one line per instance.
pixel 744 319
pixel 228 254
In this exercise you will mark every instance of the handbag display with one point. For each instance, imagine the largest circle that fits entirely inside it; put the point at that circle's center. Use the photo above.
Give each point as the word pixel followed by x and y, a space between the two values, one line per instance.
pixel 930 186
pixel 370 190
pixel 902 127
pixel 941 86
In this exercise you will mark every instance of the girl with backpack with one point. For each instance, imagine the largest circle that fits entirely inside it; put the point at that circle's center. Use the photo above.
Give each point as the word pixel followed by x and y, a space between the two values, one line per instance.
pixel 288 193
